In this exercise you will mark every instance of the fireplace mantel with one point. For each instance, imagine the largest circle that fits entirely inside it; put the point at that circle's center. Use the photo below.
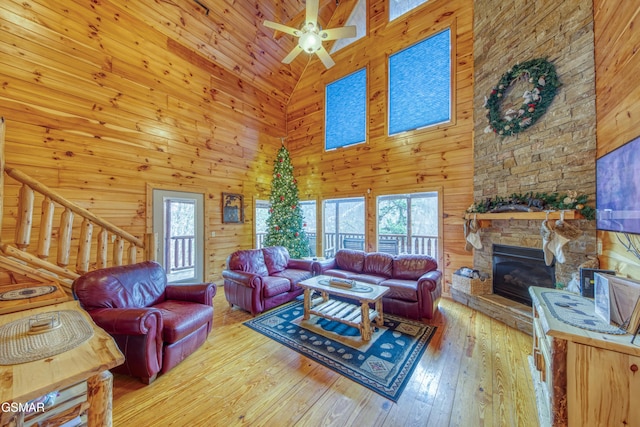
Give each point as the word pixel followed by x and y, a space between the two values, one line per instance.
pixel 484 219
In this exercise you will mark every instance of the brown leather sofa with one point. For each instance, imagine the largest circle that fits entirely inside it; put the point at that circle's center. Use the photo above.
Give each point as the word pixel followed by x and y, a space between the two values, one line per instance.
pixel 257 280
pixel 414 280
pixel 155 325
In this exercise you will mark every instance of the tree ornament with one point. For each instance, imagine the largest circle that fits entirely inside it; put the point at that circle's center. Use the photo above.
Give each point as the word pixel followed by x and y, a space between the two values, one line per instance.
pixel 539 72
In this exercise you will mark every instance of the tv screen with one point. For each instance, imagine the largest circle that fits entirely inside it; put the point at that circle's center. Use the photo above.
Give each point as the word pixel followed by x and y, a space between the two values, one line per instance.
pixel 618 189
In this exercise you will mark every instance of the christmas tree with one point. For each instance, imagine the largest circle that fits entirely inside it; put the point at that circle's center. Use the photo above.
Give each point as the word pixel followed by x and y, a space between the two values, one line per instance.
pixel 285 222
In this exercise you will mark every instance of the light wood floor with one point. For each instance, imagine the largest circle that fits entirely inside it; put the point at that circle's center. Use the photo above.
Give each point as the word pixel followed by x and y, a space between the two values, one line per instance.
pixel 474 373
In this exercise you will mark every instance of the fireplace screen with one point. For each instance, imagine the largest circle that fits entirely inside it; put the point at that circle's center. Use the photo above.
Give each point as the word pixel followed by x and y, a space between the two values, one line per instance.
pixel 516 268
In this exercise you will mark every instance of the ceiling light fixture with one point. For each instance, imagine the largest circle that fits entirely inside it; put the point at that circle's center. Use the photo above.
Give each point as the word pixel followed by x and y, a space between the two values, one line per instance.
pixel 311 35
pixel 310 40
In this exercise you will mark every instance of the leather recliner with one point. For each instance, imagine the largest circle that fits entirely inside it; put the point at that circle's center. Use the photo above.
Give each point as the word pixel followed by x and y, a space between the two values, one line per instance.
pixel 156 325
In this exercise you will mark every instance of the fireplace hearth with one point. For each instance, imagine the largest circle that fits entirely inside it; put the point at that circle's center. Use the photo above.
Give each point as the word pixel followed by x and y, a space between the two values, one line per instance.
pixel 516 268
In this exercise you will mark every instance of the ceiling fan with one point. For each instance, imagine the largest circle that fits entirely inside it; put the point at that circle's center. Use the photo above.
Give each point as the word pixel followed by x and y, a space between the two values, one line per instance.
pixel 311 35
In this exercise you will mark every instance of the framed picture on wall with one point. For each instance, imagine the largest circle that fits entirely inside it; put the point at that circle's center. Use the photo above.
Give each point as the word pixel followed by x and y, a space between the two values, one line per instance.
pixel 232 208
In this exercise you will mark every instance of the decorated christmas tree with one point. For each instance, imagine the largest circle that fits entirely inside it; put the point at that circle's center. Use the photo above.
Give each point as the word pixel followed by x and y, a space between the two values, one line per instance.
pixel 285 222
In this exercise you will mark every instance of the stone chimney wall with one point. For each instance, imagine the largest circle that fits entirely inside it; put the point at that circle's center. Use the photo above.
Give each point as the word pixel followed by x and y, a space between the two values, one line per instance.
pixel 558 152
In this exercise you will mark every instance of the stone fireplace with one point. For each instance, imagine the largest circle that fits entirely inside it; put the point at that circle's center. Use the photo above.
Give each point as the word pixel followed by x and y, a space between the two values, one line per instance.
pixel 555 155
pixel 515 269
pixel 525 234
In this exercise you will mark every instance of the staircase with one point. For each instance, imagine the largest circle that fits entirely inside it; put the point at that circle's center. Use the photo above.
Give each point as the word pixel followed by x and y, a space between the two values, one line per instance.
pixel 79 237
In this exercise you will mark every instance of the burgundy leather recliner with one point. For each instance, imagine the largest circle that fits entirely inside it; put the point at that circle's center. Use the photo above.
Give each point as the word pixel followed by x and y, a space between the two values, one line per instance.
pixel 155 325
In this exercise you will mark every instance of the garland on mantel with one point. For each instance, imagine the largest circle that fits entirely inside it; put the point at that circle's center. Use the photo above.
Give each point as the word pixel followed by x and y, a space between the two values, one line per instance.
pixel 535 202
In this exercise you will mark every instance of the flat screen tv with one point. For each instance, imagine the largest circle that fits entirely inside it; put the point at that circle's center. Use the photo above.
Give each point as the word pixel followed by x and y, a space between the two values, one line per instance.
pixel 618 189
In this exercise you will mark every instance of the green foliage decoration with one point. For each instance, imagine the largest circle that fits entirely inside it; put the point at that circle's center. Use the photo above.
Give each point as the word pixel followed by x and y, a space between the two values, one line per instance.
pixel 536 202
pixel 286 221
pixel 539 72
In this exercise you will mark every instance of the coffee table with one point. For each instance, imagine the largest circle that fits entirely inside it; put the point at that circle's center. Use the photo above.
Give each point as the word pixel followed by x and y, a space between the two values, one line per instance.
pixel 358 315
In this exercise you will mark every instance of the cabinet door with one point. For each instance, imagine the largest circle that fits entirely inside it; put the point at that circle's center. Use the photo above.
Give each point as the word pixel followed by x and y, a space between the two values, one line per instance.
pixel 600 386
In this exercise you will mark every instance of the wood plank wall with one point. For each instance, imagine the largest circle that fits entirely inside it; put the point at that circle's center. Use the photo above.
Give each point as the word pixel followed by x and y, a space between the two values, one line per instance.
pixel 617 107
pixel 103 102
pixel 439 158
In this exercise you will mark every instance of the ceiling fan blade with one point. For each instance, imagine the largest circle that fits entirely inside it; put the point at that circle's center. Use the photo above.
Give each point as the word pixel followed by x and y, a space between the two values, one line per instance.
pixel 325 58
pixel 338 33
pixel 312 11
pixel 280 27
pixel 292 55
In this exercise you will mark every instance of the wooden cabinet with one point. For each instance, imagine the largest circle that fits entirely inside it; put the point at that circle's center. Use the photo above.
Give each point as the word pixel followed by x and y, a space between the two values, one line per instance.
pixel 582 378
pixel 79 377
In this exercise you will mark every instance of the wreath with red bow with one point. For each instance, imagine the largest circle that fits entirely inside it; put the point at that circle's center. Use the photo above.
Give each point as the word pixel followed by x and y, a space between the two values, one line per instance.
pixel 542 75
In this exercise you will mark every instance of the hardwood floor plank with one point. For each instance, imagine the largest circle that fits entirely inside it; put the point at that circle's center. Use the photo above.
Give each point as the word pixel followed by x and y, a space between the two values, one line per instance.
pixel 474 372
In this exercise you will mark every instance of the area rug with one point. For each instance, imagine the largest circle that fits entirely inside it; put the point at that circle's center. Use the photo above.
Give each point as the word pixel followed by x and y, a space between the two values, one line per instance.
pixel 384 364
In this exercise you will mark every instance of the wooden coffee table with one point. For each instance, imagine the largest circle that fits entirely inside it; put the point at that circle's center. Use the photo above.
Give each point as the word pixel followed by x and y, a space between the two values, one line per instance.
pixel 358 315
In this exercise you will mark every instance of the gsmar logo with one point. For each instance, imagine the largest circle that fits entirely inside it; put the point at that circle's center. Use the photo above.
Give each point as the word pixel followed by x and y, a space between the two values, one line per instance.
pixel 28 407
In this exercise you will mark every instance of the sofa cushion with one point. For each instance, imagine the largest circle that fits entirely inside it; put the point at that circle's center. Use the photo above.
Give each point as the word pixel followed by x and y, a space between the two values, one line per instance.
pixel 378 264
pixel 276 258
pixel 350 260
pixel 406 290
pixel 273 286
pixel 294 275
pixel 181 318
pixel 368 278
pixel 411 267
pixel 249 261
pixel 343 274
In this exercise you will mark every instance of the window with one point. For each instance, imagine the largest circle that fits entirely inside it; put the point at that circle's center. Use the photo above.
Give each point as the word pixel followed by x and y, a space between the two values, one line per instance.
pixel 309 212
pixel 408 223
pixel 400 7
pixel 343 221
pixel 309 226
pixel 261 215
pixel 346 111
pixel 358 18
pixel 178 220
pixel 420 84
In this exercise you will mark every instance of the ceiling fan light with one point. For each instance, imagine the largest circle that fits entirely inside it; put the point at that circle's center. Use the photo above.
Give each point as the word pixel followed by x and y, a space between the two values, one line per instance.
pixel 310 42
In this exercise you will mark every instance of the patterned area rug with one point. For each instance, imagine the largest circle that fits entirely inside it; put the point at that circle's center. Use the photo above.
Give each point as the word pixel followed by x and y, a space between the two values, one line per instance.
pixel 384 364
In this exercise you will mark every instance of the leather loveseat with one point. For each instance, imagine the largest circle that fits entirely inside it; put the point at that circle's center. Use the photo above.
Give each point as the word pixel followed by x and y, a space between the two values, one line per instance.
pixel 257 280
pixel 414 280
pixel 155 325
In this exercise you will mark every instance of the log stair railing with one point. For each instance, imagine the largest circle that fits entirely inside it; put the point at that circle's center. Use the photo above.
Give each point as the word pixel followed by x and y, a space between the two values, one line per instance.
pixel 45 266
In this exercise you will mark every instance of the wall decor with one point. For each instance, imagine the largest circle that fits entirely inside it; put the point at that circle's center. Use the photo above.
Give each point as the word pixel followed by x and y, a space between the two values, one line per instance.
pixel 232 208
pixel 542 75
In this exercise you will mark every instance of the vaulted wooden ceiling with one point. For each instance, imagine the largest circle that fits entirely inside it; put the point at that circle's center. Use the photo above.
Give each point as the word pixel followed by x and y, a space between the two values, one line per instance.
pixel 230 34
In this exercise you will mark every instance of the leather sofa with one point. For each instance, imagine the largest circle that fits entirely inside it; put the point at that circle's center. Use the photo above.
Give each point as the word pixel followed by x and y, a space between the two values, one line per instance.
pixel 257 280
pixel 414 280
pixel 156 325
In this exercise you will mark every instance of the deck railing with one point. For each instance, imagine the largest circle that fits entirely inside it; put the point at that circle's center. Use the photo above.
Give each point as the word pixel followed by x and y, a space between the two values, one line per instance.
pixel 391 243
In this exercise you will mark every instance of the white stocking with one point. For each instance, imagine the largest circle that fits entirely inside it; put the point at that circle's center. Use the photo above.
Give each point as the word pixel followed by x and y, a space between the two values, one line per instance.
pixel 473 238
pixel 547 236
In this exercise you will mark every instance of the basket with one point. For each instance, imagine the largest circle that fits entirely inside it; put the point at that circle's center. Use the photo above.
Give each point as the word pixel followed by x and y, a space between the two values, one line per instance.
pixel 472 286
